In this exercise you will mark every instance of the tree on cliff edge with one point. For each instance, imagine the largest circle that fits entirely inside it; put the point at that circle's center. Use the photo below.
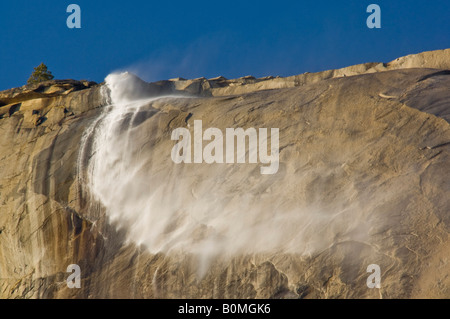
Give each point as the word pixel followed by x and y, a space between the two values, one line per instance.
pixel 40 74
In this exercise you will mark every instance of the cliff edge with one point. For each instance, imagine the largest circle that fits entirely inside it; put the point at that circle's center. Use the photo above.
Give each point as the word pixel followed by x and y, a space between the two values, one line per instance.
pixel 363 179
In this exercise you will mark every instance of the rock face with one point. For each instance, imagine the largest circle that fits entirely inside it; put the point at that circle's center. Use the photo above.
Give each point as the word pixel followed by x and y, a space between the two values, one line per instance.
pixel 363 179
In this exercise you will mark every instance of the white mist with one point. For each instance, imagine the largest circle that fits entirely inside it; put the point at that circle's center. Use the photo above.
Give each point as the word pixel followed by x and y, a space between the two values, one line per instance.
pixel 206 210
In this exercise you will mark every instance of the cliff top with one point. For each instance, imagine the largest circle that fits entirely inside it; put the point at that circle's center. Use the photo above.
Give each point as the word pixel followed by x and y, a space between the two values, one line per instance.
pixel 219 86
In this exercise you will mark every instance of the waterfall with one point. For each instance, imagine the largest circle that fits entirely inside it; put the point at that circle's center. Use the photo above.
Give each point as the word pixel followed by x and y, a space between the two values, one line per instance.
pixel 203 209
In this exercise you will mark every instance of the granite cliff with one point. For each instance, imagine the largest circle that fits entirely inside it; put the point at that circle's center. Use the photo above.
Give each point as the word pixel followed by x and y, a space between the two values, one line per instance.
pixel 362 179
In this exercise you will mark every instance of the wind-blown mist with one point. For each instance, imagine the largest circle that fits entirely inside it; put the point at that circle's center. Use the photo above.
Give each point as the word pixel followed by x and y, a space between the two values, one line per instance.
pixel 204 209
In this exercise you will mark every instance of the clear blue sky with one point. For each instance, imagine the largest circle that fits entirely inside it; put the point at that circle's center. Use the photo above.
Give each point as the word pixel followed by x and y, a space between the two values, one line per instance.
pixel 165 39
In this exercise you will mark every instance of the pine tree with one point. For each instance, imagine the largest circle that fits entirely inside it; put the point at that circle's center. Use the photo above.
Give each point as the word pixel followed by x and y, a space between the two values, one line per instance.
pixel 40 74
